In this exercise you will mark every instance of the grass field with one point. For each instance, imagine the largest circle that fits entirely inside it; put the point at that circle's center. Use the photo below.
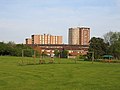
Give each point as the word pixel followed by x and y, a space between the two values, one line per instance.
pixel 65 76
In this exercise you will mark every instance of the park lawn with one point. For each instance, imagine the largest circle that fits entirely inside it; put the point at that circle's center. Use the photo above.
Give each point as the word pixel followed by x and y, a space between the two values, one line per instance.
pixel 64 76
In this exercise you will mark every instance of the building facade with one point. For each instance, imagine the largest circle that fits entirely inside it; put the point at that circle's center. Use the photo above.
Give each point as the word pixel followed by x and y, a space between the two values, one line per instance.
pixel 79 36
pixel 28 41
pixel 35 39
pixel 73 50
pixel 45 39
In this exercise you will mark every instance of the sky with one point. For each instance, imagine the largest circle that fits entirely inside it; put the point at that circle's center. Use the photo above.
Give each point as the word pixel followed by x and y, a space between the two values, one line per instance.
pixel 19 19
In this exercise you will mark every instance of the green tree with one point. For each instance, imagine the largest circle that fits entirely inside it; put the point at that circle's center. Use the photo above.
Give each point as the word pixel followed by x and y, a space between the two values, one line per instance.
pixel 57 53
pixel 13 49
pixel 64 53
pixel 20 47
pixel 98 46
pixel 2 48
pixel 115 49
pixel 113 38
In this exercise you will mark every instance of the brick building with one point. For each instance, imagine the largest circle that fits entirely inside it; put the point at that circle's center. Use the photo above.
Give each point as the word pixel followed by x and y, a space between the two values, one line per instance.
pixel 79 36
pixel 28 41
pixel 44 39
pixel 72 49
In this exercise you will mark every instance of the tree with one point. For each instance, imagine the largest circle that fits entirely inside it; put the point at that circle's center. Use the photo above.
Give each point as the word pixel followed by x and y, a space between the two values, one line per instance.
pixel 20 47
pixel 111 37
pixel 107 37
pixel 13 49
pixel 115 49
pixel 57 53
pixel 98 46
pixel 64 53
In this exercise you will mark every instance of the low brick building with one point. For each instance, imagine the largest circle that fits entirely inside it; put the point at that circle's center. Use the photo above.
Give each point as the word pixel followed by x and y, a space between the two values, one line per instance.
pixel 72 49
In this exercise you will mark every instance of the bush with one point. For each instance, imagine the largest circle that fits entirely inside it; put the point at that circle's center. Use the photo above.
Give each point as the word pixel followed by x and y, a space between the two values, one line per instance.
pixel 13 49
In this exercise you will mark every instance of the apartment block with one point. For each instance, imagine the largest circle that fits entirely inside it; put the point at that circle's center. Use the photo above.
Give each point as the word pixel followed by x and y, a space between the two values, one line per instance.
pixel 45 39
pixel 59 39
pixel 28 41
pixel 35 39
pixel 84 36
pixel 79 36
pixel 73 38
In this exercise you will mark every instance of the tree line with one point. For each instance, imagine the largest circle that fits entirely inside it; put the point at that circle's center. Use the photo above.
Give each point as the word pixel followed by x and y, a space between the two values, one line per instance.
pixel 108 45
pixel 12 49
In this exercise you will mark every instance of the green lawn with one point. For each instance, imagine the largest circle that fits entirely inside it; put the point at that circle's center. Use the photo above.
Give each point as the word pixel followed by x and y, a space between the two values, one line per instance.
pixel 65 76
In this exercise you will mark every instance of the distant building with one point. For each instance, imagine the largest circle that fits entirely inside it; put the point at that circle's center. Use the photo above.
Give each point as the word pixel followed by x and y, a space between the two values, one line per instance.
pixel 45 39
pixel 73 50
pixel 35 39
pixel 79 36
pixel 28 41
pixel 78 42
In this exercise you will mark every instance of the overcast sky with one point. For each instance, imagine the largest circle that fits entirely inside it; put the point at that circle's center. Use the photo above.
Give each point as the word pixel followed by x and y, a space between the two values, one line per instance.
pixel 19 19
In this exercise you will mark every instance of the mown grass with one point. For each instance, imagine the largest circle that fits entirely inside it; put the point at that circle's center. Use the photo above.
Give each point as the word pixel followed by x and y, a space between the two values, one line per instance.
pixel 64 76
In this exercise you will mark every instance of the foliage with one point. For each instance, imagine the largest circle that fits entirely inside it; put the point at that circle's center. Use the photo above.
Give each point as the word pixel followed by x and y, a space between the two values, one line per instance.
pixel 113 38
pixel 107 37
pixel 98 46
pixel 13 49
pixel 109 45
pixel 64 53
pixel 57 53
pixel 115 49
